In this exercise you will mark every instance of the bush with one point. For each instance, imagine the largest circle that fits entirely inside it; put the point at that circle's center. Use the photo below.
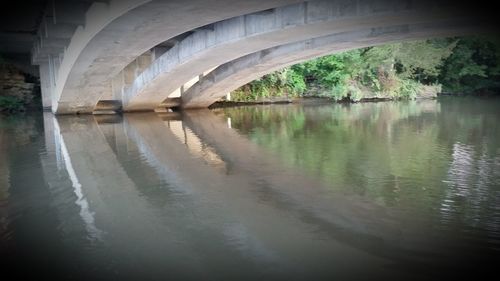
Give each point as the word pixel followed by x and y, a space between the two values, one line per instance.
pixel 355 94
pixel 399 70
pixel 339 92
pixel 10 104
pixel 409 89
pixel 295 82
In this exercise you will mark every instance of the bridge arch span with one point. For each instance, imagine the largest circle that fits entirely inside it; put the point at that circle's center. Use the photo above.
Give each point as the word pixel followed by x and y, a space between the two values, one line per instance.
pixel 227 40
pixel 117 32
pixel 234 74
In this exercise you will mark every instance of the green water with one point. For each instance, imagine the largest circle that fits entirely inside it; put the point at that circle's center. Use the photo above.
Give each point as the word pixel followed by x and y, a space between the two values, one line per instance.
pixel 369 191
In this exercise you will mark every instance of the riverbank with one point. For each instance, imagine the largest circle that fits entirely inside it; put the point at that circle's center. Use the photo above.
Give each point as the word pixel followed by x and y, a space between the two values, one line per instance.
pixel 301 100
pixel 317 95
pixel 329 100
pixel 399 71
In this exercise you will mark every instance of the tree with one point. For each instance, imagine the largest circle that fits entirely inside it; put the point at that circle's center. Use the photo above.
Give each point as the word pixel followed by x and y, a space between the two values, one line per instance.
pixel 473 65
pixel 398 70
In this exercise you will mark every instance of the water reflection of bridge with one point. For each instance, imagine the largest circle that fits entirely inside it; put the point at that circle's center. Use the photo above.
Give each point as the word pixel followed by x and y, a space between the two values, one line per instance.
pixel 225 202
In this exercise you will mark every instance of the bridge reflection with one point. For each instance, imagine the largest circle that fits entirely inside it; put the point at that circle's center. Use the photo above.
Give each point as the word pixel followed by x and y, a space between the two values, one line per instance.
pixel 191 185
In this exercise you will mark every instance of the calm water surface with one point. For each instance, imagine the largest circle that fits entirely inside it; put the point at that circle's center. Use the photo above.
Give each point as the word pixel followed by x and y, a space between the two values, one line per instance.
pixel 373 191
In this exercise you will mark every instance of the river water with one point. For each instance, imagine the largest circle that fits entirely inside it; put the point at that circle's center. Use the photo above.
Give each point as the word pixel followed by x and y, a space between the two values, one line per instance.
pixel 369 191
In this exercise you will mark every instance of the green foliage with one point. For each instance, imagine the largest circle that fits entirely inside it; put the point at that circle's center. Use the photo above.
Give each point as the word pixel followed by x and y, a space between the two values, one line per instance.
pixel 355 93
pixel 330 70
pixel 283 82
pixel 474 65
pixel 398 70
pixel 416 59
pixel 409 89
pixel 339 92
pixel 10 104
pixel 295 82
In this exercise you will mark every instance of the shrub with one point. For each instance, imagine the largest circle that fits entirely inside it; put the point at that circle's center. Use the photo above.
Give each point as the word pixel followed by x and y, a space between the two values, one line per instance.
pixel 339 92
pixel 10 104
pixel 355 94
pixel 409 89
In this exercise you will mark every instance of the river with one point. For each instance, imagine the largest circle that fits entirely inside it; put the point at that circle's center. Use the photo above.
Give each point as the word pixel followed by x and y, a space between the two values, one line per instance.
pixel 314 191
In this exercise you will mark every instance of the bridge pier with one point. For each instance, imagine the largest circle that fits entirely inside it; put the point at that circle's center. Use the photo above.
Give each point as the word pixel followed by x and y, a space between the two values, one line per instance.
pixel 46 85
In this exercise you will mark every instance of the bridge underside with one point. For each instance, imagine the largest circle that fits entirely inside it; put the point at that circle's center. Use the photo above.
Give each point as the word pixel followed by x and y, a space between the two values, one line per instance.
pixel 150 55
pixel 232 75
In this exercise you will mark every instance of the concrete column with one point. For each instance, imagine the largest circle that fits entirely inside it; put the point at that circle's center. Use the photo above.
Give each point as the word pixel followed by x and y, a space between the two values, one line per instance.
pixel 156 52
pixel 126 77
pixel 117 85
pixel 56 62
pixel 143 61
pixel 46 85
pixel 52 76
pixel 129 73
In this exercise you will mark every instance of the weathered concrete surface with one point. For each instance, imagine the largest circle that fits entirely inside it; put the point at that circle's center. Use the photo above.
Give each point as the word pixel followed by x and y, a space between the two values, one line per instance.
pixel 118 32
pixel 235 37
pixel 234 74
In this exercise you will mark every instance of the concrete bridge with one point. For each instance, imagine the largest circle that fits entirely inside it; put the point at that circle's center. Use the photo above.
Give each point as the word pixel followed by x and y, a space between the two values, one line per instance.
pixel 139 55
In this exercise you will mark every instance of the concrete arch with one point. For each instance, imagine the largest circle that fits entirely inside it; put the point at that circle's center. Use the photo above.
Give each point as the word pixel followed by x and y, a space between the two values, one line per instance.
pixel 65 30
pixel 234 74
pixel 116 33
pixel 56 66
pixel 227 40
